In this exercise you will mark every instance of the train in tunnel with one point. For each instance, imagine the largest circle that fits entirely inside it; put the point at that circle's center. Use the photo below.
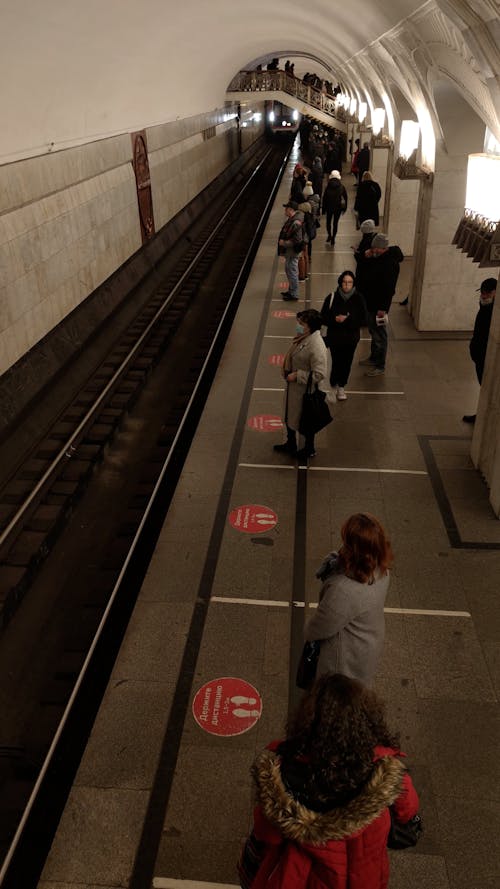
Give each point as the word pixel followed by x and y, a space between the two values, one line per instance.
pixel 281 120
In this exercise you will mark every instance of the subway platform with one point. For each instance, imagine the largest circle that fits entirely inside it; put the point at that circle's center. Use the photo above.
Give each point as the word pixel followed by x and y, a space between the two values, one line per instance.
pixel 163 794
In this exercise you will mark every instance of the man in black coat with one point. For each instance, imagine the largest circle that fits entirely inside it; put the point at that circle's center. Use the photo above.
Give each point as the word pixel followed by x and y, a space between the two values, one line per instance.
pixel 376 277
pixel 479 341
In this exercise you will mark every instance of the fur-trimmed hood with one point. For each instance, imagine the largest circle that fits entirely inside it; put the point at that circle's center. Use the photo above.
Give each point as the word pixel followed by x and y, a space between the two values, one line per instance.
pixel 303 825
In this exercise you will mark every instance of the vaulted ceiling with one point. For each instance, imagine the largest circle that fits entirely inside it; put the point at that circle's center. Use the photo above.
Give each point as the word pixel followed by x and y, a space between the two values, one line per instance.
pixel 77 71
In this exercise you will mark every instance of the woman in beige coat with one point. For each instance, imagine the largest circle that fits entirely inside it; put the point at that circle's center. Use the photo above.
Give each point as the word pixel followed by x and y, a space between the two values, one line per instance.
pixel 306 355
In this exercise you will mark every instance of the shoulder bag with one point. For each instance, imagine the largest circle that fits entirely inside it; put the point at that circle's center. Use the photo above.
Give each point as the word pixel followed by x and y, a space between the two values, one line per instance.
pixel 308 664
pixel 315 414
pixel 402 836
pixel 250 860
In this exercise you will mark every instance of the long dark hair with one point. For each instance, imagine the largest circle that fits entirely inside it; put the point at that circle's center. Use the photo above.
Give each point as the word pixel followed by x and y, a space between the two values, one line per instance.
pixel 335 729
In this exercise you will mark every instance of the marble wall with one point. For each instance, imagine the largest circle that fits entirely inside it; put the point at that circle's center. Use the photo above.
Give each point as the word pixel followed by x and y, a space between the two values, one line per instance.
pixel 403 213
pixel 69 219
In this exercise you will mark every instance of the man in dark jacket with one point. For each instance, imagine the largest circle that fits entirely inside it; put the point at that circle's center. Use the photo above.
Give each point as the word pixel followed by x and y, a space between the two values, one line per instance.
pixel 363 160
pixel 290 245
pixel 377 275
pixel 479 341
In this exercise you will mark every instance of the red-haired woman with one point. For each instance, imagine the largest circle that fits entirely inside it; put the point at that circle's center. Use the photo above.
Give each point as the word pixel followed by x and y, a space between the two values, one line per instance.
pixel 349 620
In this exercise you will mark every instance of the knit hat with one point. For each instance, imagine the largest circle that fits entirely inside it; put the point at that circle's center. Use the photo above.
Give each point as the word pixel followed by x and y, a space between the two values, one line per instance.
pixel 335 174
pixel 367 226
pixel 381 241
pixel 292 204
pixel 308 190
pixel 488 285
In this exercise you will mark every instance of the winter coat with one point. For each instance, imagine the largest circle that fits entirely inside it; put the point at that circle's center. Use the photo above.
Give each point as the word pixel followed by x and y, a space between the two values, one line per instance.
pixel 293 235
pixel 309 356
pixel 341 848
pixel 367 198
pixel 363 162
pixel 332 198
pixel 348 331
pixel 364 244
pixel 309 220
pixel 297 189
pixel 349 621
pixel 376 277
pixel 479 341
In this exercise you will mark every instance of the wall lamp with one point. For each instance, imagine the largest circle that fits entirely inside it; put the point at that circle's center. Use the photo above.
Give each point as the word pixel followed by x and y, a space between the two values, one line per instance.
pixel 378 118
pixel 406 166
pixel 362 111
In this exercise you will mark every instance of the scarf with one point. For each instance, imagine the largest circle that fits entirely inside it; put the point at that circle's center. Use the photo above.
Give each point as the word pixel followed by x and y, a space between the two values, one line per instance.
pixel 287 364
pixel 346 296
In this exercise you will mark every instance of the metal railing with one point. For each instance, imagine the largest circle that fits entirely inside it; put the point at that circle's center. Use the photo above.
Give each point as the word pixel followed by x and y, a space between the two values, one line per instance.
pixel 271 81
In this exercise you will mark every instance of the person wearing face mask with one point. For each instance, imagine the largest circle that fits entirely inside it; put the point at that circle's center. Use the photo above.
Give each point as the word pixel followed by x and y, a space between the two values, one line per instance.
pixel 343 313
pixel 307 355
pixel 479 341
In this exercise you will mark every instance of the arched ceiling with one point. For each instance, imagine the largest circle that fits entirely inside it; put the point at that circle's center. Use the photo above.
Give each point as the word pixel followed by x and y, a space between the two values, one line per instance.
pixel 79 70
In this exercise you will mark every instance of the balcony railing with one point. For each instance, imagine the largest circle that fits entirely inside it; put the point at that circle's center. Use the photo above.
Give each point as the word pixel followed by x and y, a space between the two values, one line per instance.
pixel 271 81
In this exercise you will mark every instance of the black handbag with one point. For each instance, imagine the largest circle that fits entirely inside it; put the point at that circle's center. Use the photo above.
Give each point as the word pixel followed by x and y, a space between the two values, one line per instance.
pixel 315 413
pixel 402 836
pixel 308 664
pixel 250 860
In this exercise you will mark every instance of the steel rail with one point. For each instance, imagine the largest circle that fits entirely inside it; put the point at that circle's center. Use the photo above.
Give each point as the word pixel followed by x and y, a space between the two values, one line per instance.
pixel 68 449
pixel 114 593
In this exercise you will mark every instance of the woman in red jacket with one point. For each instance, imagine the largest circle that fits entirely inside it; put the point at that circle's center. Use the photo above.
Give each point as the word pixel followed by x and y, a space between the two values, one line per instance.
pixel 323 795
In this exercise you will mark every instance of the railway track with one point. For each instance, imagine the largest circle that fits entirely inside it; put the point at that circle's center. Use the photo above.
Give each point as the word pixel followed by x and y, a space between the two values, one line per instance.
pixel 137 412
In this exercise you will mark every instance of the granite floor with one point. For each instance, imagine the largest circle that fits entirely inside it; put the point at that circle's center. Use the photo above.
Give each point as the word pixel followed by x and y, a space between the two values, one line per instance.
pixel 233 577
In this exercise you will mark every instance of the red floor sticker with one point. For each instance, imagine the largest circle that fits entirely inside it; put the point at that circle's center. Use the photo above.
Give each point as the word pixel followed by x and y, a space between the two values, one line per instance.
pixel 265 422
pixel 253 519
pixel 227 706
pixel 282 313
pixel 283 285
pixel 277 359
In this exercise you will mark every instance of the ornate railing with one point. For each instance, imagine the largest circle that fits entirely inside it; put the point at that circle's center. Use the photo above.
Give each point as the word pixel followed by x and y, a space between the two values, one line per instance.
pixel 269 81
pixel 479 238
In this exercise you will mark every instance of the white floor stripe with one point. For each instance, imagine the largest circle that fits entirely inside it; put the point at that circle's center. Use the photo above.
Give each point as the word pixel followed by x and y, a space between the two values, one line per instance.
pixel 268 336
pixel 363 469
pixel 335 469
pixel 258 389
pixel 276 603
pixel 367 392
pixel 168 883
pixel 266 466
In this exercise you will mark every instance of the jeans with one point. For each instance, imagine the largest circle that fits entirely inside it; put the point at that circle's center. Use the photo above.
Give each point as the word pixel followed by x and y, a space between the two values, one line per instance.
pixel 292 273
pixel 378 333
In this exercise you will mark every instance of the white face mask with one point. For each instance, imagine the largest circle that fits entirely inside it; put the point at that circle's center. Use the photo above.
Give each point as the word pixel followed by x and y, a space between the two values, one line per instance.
pixel 486 300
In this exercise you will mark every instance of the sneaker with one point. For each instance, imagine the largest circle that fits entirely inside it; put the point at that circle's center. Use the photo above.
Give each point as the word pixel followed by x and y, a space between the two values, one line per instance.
pixel 287 296
pixel 341 396
pixel 366 362
pixel 469 418
pixel 286 448
pixel 305 455
pixel 375 372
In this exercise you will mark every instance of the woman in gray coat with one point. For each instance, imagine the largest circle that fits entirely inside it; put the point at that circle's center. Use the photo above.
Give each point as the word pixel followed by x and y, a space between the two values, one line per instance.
pixel 349 620
pixel 307 355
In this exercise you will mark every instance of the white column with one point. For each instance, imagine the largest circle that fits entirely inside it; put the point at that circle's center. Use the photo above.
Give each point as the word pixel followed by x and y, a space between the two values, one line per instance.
pixel 448 277
pixel 403 213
